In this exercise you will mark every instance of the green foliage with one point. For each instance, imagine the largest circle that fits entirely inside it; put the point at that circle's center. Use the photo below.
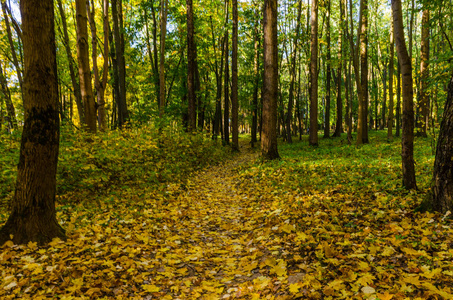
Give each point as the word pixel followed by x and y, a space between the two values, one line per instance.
pixel 93 166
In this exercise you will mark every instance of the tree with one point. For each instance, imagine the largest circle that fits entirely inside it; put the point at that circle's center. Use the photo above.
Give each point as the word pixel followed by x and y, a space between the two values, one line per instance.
pixel 100 83
pixel 363 105
pixel 293 75
pixel 234 81
pixel 72 73
pixel 120 62
pixel 84 66
pixel 191 68
pixel 313 139
pixel 408 101
pixel 33 216
pixel 163 32
pixel 391 71
pixel 339 121
pixel 226 84
pixel 269 149
pixel 328 74
pixel 11 111
pixel 423 104
pixel 443 176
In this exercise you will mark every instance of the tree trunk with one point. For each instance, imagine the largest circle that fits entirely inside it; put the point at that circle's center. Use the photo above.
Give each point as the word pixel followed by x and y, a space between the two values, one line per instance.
pixel 84 66
pixel 117 16
pixel 364 68
pixel 72 73
pixel 255 88
pixel 384 101
pixel 192 125
pixel 398 99
pixel 226 84
pixel 313 139
pixel 328 75
pixel 391 71
pixel 33 216
pixel 443 176
pixel 423 104
pixel 218 76
pixel 234 81
pixel 163 32
pixel 339 119
pixel 11 111
pixel 99 83
pixel 269 149
pixel 408 101
pixel 11 45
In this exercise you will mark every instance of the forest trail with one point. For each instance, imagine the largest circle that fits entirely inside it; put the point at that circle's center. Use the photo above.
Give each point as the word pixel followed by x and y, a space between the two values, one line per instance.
pixel 223 250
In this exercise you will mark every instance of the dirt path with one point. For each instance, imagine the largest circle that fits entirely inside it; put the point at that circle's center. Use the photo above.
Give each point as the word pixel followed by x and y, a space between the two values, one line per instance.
pixel 222 253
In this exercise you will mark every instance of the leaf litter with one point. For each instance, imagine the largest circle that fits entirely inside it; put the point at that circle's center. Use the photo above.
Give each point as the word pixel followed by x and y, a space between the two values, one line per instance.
pixel 239 230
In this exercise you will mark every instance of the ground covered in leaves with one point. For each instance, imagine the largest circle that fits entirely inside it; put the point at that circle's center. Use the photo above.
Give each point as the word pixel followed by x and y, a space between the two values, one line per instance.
pixel 330 222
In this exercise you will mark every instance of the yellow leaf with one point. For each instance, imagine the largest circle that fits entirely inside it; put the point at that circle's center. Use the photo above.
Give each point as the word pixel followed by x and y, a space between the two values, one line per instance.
pixel 294 288
pixel 280 269
pixel 150 288
pixel 385 296
pixel 287 228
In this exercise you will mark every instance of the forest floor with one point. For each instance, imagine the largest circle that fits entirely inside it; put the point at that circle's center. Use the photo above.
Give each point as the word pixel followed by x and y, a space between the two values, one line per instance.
pixel 309 226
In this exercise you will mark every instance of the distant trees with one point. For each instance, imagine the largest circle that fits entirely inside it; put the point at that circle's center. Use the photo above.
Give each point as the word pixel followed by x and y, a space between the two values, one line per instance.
pixel 33 216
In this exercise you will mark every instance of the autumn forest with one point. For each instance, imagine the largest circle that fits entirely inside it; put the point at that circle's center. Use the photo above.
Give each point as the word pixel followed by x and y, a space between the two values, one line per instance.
pixel 225 149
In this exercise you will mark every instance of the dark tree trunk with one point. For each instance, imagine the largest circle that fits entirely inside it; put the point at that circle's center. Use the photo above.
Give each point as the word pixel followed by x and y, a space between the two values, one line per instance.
pixel 33 216
pixel 72 73
pixel 384 102
pixel 293 76
pixel 364 69
pixel 313 139
pixel 269 149
pixel 163 33
pixel 256 87
pixel 328 75
pixel 226 84
pixel 218 75
pixel 11 44
pixel 117 16
pixel 443 165
pixel 339 119
pixel 84 66
pixel 11 111
pixel 408 99
pixel 423 104
pixel 391 71
pixel 192 125
pixel 234 82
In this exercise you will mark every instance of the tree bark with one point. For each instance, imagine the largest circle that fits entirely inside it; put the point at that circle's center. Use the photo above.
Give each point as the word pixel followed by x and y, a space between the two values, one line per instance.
pixel 11 44
pixel 255 87
pixel 339 119
pixel 163 32
pixel 423 104
pixel 269 149
pixel 408 101
pixel 226 84
pixel 234 81
pixel 10 110
pixel 218 76
pixel 117 16
pixel 328 75
pixel 391 72
pixel 293 75
pixel 192 125
pixel 72 73
pixel 364 69
pixel 84 66
pixel 313 139
pixel 33 216
pixel 100 83
pixel 443 166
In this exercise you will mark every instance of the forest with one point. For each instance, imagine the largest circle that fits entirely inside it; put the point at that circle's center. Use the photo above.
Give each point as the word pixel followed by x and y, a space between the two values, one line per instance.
pixel 217 149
